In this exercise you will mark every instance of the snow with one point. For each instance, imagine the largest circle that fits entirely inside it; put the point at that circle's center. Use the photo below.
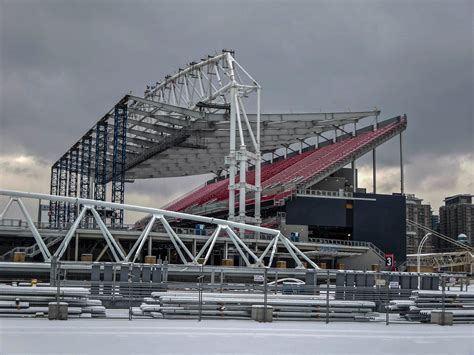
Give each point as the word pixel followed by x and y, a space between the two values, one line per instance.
pixel 147 336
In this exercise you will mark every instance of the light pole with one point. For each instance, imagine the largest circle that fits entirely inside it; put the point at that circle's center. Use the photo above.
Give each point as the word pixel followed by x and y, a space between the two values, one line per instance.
pixel 418 256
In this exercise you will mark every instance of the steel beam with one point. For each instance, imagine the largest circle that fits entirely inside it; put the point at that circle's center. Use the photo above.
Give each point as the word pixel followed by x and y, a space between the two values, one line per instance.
pixel 53 190
pixel 72 184
pixel 118 164
pixel 62 191
pixel 100 161
pixel 85 169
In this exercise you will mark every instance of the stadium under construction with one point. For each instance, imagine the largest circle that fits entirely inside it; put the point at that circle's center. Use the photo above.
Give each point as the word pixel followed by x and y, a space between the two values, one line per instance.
pixel 284 190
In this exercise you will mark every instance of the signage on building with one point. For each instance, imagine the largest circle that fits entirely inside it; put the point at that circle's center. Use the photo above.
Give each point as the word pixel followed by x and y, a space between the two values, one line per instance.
pixel 389 260
pixel 394 284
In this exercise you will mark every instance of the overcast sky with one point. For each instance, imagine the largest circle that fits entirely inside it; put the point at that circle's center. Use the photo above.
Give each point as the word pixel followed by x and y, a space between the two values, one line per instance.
pixel 63 64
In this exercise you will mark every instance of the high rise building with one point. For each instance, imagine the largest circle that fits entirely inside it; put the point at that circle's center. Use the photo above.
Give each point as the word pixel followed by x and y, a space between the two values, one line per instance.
pixel 456 217
pixel 419 213
pixel 435 222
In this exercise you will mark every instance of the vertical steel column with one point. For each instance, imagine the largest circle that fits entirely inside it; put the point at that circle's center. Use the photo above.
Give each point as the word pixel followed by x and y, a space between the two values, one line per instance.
pixel 85 182
pixel 402 183
pixel 119 158
pixel 242 188
pixel 62 190
pixel 100 178
pixel 72 184
pixel 374 171
pixel 232 160
pixel 354 176
pixel 258 170
pixel 53 190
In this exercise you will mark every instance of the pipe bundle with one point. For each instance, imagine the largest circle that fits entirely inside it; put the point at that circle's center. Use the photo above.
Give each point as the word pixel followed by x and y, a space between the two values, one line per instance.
pixel 422 303
pixel 235 305
pixel 26 301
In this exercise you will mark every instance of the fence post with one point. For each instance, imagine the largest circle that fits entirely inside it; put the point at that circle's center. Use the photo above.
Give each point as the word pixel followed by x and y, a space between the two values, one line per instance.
pixel 443 299
pixel 52 271
pixel 328 281
pixel 200 281
pixel 265 290
pixel 58 285
pixel 130 291
pixel 386 303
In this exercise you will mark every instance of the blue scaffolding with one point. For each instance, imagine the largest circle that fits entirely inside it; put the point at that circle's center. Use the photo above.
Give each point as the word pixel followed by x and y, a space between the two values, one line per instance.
pixel 100 177
pixel 119 159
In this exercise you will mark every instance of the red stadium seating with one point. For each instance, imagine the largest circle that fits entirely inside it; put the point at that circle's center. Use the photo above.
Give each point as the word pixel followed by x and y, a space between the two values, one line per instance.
pixel 288 173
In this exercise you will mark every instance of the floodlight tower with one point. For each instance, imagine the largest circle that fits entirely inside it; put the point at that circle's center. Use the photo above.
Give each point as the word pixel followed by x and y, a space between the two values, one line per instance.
pixel 214 84
pixel 239 159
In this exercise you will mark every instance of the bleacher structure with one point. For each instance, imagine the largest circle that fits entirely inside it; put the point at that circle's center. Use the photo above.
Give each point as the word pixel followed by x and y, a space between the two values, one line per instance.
pixel 285 177
pixel 195 122
pixel 207 119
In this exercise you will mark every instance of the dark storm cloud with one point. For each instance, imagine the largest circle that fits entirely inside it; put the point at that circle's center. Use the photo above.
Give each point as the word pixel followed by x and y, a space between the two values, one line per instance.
pixel 65 63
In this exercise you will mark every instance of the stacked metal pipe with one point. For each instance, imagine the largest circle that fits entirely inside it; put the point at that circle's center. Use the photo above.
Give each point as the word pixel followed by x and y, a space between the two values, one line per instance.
pixel 28 301
pixel 236 305
pixel 422 303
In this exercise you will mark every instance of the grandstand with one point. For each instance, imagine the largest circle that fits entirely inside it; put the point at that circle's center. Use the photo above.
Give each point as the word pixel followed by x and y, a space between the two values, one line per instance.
pixel 282 170
pixel 283 178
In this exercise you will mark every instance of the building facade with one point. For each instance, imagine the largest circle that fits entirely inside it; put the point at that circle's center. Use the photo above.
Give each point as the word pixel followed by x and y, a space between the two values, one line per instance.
pixel 456 217
pixel 420 213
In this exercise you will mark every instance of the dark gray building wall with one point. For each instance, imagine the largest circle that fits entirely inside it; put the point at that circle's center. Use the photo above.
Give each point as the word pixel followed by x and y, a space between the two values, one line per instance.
pixel 316 211
pixel 382 222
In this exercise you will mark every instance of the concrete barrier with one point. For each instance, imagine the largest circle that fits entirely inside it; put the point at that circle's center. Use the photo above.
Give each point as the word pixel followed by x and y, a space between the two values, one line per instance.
pixel 437 317
pixel 57 311
pixel 86 258
pixel 259 314
pixel 150 259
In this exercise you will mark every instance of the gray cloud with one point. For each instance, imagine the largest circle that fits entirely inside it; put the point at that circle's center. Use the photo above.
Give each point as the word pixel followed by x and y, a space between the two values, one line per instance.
pixel 63 64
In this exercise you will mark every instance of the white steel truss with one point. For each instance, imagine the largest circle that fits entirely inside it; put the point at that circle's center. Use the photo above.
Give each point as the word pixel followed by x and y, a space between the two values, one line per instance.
pixel 217 83
pixel 250 257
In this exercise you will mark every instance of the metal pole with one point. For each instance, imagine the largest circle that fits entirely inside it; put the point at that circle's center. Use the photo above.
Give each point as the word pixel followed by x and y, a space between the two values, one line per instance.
pixel 418 258
pixel 402 188
pixel 39 214
pixel 443 299
pixel 76 248
pixel 327 297
pixel 129 291
pixel 265 291
pixel 354 177
pixel 58 287
pixel 374 171
pixel 150 245
pixel 200 279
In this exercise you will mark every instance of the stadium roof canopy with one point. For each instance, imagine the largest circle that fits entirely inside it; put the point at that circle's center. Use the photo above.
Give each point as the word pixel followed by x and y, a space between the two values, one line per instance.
pixel 165 140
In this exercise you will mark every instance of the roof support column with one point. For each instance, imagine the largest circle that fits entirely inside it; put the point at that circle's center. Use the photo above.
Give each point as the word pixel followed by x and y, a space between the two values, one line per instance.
pixel 354 176
pixel 374 171
pixel 402 182
pixel 119 159
pixel 72 184
pixel 62 191
pixel 101 145
pixel 53 190
pixel 231 158
pixel 85 168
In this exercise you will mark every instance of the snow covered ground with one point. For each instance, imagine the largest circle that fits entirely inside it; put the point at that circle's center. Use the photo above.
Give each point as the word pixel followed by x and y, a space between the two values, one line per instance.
pixel 147 336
